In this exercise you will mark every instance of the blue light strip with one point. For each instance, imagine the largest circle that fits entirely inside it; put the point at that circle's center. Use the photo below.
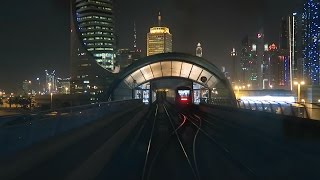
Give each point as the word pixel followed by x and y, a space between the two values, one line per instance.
pixel 312 41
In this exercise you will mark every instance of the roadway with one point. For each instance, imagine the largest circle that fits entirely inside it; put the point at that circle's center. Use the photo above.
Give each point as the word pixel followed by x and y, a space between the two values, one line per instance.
pixel 8 113
pixel 161 142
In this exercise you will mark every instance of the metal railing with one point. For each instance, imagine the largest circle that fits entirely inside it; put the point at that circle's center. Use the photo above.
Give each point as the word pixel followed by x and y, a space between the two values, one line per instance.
pixel 20 131
pixel 303 110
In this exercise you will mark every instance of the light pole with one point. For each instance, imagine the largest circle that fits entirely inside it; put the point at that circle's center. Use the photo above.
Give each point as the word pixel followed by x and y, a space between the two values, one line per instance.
pixel 238 91
pixel 49 87
pixel 38 79
pixel 299 88
pixel 51 100
pixel 263 83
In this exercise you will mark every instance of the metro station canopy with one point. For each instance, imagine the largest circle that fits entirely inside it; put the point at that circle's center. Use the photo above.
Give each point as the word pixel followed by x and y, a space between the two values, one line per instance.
pixel 177 65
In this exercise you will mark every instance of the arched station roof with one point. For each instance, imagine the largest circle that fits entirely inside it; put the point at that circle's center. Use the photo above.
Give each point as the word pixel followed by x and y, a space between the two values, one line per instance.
pixel 177 65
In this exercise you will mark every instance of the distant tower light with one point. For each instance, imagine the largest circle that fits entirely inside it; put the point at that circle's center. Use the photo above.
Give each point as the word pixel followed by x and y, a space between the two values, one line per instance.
pixel 199 50
pixel 134 36
pixel 159 19
pixel 233 53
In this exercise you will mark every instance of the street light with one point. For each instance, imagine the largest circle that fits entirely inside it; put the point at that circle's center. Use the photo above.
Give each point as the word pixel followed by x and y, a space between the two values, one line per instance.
pixel 299 88
pixel 66 90
pixel 51 100
pixel 38 79
pixel 49 87
pixel 238 90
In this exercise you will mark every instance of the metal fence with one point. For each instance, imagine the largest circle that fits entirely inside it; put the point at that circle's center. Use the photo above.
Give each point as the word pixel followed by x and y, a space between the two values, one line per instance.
pixel 20 131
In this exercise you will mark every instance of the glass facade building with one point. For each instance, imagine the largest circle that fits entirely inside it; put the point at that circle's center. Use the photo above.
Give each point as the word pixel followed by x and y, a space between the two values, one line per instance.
pixel 95 21
pixel 93 47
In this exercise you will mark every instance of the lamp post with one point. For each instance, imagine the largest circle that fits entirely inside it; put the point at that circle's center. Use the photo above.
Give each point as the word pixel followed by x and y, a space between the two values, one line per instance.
pixel 49 87
pixel 66 90
pixel 39 88
pixel 299 88
pixel 51 100
pixel 238 91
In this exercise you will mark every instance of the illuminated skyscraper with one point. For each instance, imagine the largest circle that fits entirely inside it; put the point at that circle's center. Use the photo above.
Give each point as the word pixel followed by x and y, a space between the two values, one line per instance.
pixel 92 46
pixel 95 24
pixel 199 50
pixel 234 75
pixel 290 46
pixel 159 39
pixel 260 50
pixel 311 41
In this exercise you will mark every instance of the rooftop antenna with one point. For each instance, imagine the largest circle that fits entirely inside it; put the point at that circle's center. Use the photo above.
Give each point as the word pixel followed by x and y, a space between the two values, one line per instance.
pixel 159 19
pixel 134 35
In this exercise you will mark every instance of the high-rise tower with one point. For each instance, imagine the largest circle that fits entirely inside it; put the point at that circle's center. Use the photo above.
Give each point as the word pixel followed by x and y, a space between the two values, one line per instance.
pixel 290 45
pixel 159 39
pixel 95 25
pixel 134 36
pixel 92 46
pixel 311 41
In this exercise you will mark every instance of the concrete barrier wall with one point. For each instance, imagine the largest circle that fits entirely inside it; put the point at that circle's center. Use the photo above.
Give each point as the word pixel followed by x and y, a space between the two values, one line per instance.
pixel 28 131
pixel 272 124
pixel 31 157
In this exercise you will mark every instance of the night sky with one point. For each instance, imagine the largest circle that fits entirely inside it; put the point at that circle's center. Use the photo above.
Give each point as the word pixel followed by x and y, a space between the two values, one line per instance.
pixel 35 35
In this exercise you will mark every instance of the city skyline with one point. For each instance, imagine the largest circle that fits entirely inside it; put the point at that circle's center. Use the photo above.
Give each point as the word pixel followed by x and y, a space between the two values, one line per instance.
pixel 46 51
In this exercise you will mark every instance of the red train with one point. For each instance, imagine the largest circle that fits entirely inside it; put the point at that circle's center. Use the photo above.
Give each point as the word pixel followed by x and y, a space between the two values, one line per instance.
pixel 183 97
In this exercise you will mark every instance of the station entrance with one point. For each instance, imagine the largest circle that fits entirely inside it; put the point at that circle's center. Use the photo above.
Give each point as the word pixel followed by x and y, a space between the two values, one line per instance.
pixel 165 72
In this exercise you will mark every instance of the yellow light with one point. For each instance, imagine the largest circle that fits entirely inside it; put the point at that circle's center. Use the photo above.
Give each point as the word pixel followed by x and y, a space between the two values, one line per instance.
pixel 295 83
pixel 159 30
pixel 303 100
pixel 302 83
